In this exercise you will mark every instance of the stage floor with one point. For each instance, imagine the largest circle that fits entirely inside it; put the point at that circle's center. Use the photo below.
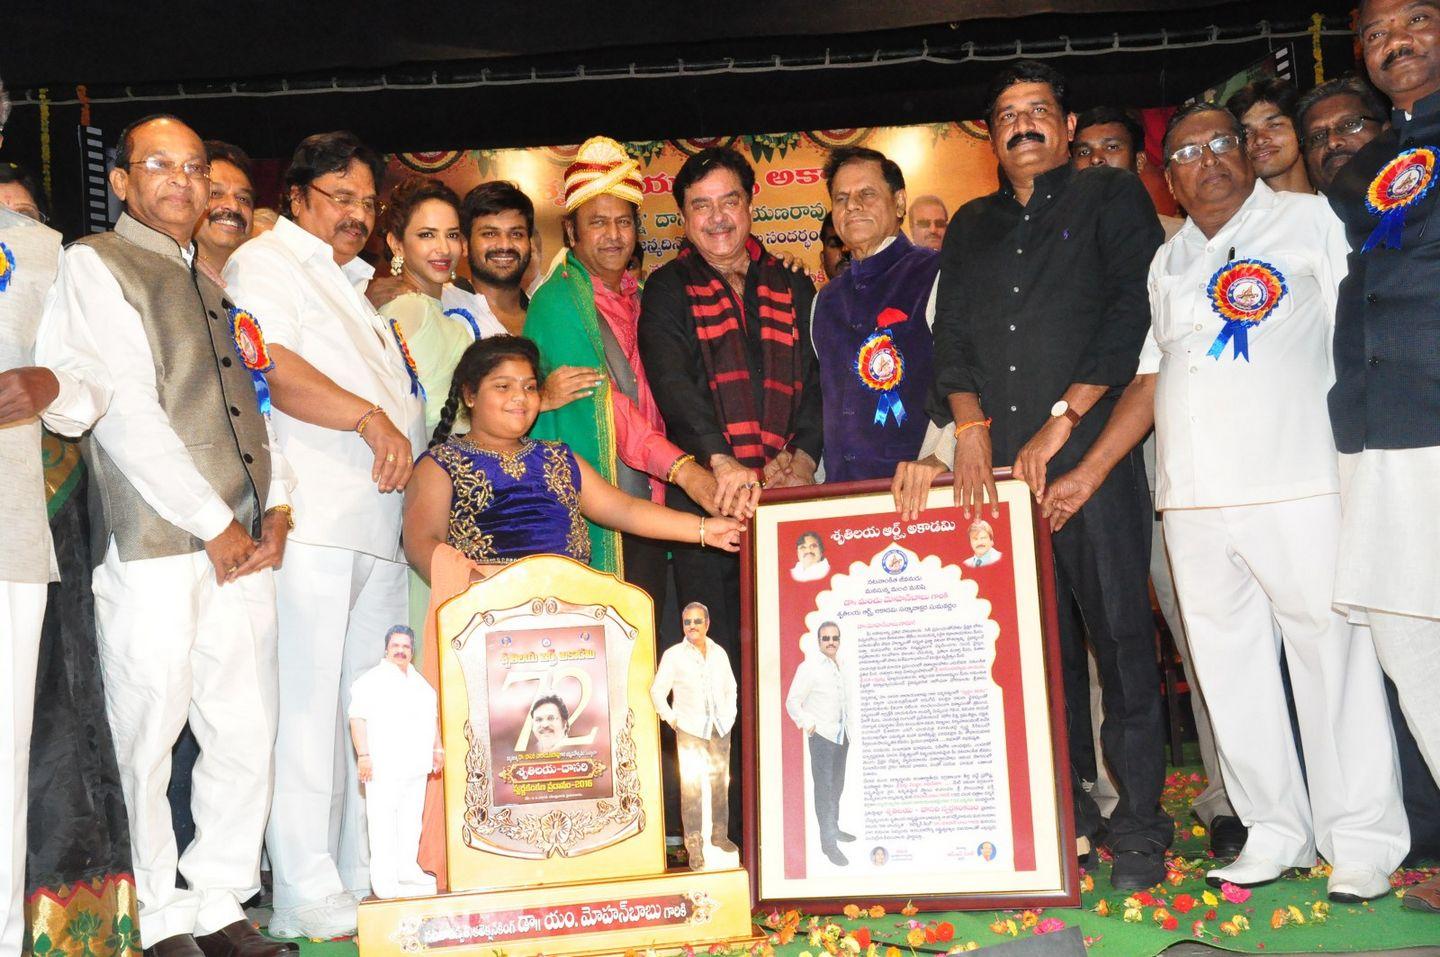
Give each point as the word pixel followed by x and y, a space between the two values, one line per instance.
pixel 1287 917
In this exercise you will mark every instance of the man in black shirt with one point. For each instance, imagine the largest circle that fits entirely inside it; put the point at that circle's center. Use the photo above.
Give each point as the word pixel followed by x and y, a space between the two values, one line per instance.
pixel 746 406
pixel 1385 404
pixel 1039 320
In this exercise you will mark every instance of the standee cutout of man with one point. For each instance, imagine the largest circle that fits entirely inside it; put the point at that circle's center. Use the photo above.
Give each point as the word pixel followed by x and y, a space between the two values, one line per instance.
pixel 394 727
pixel 818 704
pixel 696 673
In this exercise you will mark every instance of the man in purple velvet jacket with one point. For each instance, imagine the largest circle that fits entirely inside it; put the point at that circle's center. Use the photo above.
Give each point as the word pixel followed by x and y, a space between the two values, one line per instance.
pixel 871 324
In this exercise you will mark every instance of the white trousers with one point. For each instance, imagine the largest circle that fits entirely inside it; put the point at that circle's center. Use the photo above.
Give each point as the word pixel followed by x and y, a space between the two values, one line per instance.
pixel 1239 572
pixel 175 646
pixel 393 809
pixel 22 610
pixel 1212 801
pixel 335 608
pixel 1409 650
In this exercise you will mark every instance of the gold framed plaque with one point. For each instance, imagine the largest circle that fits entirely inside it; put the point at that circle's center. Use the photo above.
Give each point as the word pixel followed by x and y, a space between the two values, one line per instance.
pixel 552 755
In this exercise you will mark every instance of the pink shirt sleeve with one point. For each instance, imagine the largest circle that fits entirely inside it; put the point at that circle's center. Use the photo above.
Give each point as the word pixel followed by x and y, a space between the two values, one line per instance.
pixel 639 444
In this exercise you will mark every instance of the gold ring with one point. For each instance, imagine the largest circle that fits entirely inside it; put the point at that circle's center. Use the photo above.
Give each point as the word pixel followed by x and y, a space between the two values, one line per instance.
pixel 390 457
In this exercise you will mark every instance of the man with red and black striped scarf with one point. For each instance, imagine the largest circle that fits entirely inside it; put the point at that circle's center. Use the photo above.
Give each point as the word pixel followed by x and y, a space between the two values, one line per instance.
pixel 724 337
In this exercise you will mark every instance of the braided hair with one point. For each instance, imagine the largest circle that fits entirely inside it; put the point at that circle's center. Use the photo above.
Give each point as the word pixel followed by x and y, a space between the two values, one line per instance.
pixel 477 362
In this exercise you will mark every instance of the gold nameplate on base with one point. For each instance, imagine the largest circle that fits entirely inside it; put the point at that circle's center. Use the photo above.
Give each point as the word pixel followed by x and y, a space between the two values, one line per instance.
pixel 555 839
pixel 666 912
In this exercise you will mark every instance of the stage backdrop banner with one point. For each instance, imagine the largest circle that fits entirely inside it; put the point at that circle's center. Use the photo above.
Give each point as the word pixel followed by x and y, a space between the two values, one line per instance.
pixel 949 160
pixel 929 743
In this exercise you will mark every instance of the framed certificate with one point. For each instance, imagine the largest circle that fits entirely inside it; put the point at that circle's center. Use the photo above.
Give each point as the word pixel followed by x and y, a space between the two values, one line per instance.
pixel 902 704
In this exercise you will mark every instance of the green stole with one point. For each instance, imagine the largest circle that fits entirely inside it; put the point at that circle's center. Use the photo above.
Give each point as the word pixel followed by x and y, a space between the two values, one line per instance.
pixel 563 321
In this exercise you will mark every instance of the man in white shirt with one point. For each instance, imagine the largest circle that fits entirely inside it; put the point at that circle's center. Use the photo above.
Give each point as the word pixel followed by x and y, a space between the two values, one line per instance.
pixel 190 511
pixel 348 415
pixel 697 673
pixel 819 705
pixel 811 565
pixel 395 728
pixel 1111 136
pixel 68 397
pixel 1238 361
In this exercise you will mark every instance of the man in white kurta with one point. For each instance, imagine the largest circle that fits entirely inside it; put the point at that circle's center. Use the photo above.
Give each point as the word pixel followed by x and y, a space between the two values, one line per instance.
pixel 189 508
pixel 348 416
pixel 68 400
pixel 696 673
pixel 1248 483
pixel 819 704
pixel 394 726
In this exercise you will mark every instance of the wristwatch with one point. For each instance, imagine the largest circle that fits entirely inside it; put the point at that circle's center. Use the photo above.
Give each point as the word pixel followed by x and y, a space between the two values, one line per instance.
pixel 1063 408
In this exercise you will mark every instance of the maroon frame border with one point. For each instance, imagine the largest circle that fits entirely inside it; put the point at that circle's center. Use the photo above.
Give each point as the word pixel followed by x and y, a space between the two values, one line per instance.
pixel 1069 894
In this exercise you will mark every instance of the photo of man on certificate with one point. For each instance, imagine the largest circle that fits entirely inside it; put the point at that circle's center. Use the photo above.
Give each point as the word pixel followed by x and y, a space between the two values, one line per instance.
pixel 819 705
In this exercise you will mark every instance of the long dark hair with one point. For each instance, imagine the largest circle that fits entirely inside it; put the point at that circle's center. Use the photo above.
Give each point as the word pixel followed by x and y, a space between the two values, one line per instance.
pixel 477 362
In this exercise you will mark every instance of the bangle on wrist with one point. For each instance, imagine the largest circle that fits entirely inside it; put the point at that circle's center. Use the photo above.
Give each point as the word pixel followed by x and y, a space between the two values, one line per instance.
pixel 970 425
pixel 289 513
pixel 365 419
pixel 676 466
pixel 702 531
pixel 365 755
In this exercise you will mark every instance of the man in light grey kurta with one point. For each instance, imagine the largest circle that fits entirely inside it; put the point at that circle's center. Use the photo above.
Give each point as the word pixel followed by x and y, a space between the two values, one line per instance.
pixel 69 402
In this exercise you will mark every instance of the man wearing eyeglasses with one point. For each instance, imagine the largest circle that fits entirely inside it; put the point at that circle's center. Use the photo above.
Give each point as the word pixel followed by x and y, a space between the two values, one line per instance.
pixel 697 674
pixel 1266 110
pixel 1385 405
pixel 1335 119
pixel 190 511
pixel 1234 372
pixel 1039 320
pixel 819 704
pixel 348 414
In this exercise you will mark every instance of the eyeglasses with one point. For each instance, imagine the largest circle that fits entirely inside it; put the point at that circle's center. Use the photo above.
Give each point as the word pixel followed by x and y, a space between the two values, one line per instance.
pixel 1219 146
pixel 348 201
pixel 830 639
pixel 1349 126
pixel 165 167
pixel 692 621
pixel 27 209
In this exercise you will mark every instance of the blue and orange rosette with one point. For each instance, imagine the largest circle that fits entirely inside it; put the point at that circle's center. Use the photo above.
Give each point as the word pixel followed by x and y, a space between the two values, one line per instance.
pixel 881 367
pixel 253 352
pixel 1243 292
pixel 415 387
pixel 7 267
pixel 1400 184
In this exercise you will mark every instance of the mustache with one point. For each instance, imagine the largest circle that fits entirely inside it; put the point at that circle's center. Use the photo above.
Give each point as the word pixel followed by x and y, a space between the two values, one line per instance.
pixel 1399 53
pixel 1019 138
pixel 227 216
pixel 354 224
pixel 493 253
pixel 1340 154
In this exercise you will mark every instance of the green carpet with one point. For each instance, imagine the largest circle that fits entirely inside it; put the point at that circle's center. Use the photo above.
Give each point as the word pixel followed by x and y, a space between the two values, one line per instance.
pixel 1288 917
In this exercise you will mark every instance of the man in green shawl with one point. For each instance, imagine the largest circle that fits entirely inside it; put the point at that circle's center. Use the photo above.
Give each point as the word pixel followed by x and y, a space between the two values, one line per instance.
pixel 586 314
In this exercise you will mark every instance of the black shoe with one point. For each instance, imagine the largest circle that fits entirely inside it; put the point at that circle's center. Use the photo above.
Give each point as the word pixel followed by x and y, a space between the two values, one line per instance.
pixel 836 858
pixel 1137 870
pixel 844 836
pixel 1227 835
pixel 180 945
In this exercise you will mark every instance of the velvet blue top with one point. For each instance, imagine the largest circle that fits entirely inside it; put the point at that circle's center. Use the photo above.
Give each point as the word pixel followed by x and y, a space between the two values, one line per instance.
pixel 507 506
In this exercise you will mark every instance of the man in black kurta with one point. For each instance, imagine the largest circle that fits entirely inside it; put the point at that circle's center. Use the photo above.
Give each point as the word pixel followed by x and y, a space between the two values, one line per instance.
pixel 1041 312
